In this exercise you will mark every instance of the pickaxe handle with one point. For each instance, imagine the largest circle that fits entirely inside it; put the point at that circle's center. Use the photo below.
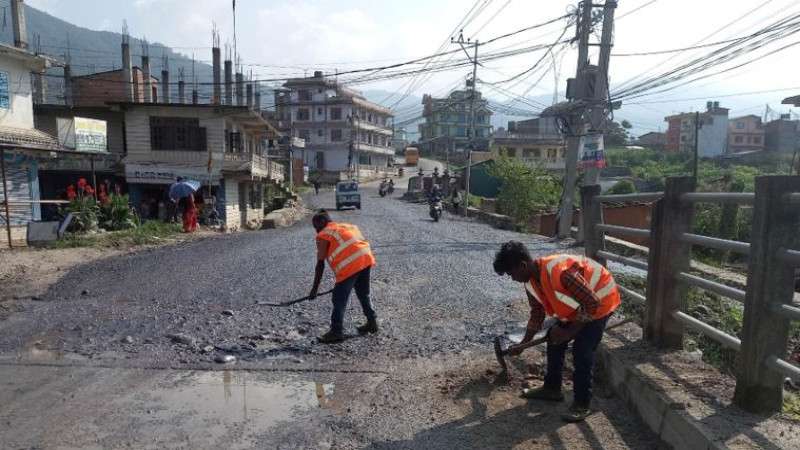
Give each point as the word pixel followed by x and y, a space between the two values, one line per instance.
pixel 543 339
pixel 292 302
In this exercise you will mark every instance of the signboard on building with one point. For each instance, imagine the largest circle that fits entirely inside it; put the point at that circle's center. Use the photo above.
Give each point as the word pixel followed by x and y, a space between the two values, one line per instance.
pixel 82 134
pixel 166 173
pixel 298 142
pixel 592 152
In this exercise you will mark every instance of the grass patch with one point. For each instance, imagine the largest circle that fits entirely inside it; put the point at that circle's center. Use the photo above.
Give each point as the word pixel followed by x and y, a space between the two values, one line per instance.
pixel 791 405
pixel 149 233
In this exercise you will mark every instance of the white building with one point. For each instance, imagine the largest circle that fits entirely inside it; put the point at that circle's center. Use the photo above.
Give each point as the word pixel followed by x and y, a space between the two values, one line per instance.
pixel 19 142
pixel 342 130
pixel 220 146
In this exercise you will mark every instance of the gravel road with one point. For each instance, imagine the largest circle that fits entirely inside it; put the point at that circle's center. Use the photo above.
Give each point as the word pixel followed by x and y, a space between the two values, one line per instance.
pixel 132 344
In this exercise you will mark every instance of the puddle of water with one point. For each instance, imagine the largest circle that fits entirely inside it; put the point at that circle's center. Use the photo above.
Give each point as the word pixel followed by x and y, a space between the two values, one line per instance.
pixel 228 396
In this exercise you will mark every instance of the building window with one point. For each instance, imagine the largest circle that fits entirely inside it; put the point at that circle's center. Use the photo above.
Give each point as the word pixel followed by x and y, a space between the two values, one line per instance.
pixel 740 125
pixel 511 152
pixel 336 113
pixel 336 135
pixel 562 153
pixel 304 134
pixel 319 111
pixel 738 139
pixel 233 141
pixel 5 96
pixel 303 114
pixel 319 133
pixel 757 140
pixel 304 95
pixel 177 133
pixel 551 153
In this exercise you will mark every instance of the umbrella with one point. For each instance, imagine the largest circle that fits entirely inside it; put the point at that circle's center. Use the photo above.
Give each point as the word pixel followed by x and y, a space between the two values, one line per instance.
pixel 183 189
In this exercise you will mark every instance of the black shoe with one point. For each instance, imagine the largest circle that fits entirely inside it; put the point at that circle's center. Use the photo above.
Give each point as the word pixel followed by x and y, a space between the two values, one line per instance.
pixel 576 413
pixel 331 337
pixel 543 393
pixel 370 327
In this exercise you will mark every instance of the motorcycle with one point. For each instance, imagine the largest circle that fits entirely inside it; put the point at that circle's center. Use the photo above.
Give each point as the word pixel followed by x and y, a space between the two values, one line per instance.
pixel 435 209
pixel 390 189
pixel 400 172
pixel 383 189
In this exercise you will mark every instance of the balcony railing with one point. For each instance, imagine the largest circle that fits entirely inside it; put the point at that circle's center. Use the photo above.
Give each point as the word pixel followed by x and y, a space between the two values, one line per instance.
pixel 255 164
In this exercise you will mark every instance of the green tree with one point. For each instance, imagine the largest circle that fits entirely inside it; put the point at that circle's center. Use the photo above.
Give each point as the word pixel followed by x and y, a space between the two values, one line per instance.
pixel 616 135
pixel 622 187
pixel 524 191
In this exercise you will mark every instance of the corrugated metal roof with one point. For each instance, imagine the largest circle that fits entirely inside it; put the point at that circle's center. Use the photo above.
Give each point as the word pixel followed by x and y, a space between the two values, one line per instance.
pixel 26 138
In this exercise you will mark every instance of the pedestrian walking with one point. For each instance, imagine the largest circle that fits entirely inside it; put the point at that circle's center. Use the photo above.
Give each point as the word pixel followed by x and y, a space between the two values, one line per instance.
pixel 581 294
pixel 351 260
pixel 316 186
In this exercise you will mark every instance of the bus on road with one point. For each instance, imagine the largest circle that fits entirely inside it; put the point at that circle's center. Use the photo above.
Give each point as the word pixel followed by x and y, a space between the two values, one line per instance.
pixel 412 156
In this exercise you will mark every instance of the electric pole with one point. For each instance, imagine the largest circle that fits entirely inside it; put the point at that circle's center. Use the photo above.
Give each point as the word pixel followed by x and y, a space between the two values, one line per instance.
pixel 589 105
pixel 697 126
pixel 471 133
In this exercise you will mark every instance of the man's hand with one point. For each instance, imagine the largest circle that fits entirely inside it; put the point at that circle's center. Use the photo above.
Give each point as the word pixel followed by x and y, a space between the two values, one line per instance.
pixel 516 349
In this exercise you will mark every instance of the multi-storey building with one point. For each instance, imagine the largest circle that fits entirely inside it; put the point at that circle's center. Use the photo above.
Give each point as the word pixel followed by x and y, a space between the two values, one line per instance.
pixel 782 135
pixel 712 131
pixel 745 134
pixel 535 142
pixel 345 135
pixel 448 122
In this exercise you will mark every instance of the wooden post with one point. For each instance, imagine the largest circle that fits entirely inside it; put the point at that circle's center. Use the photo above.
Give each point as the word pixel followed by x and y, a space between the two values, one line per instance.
pixel 5 195
pixel 770 282
pixel 591 216
pixel 668 256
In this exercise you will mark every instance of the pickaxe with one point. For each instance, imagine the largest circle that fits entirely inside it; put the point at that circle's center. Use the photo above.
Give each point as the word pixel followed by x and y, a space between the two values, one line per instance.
pixel 500 352
pixel 292 302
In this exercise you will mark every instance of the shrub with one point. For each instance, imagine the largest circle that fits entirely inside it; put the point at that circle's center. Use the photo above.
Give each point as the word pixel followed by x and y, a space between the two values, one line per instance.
pixel 116 214
pixel 622 187
pixel 523 190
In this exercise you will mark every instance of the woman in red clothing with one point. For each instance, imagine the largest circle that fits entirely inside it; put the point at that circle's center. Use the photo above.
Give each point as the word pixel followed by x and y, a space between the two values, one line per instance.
pixel 189 214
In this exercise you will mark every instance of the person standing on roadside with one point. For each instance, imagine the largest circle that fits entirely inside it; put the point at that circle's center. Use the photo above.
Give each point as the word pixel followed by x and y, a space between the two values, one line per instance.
pixel 351 259
pixel 581 294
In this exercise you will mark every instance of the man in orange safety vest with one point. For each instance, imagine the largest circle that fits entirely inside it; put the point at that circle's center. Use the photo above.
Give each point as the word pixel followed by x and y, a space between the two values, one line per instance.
pixel 350 258
pixel 581 294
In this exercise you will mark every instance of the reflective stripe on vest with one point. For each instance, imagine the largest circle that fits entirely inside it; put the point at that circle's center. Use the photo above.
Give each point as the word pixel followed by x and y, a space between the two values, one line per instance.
pixel 348 252
pixel 557 299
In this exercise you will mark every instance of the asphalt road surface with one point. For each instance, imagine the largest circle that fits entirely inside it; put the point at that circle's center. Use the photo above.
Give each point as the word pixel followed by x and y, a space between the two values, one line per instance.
pixel 121 353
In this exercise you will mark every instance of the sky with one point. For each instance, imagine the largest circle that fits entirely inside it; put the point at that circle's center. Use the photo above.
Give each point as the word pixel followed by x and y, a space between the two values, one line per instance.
pixel 296 37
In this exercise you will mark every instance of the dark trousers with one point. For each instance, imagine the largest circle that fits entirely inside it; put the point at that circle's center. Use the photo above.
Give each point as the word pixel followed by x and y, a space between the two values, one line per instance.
pixel 583 348
pixel 341 295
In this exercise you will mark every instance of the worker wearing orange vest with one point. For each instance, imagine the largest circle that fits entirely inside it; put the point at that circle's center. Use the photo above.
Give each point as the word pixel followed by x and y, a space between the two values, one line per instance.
pixel 581 295
pixel 351 259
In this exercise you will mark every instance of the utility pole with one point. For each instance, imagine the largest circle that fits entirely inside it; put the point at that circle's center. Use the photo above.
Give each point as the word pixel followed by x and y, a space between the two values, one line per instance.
pixel 589 99
pixel 697 127
pixel 471 134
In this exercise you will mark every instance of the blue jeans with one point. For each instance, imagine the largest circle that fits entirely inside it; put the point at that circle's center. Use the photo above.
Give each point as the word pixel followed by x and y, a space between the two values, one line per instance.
pixel 583 348
pixel 341 295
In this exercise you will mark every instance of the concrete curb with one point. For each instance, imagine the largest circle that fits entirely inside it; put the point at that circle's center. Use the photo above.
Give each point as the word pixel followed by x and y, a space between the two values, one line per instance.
pixel 667 419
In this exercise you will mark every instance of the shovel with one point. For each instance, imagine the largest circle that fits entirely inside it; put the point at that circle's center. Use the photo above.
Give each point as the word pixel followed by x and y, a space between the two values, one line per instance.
pixel 500 352
pixel 292 302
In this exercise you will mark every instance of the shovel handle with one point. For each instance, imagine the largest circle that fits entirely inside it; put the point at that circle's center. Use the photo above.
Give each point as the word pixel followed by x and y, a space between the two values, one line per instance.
pixel 292 302
pixel 543 339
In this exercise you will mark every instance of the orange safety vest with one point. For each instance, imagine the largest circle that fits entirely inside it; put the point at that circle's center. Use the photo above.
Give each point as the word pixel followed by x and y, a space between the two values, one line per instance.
pixel 348 252
pixel 558 301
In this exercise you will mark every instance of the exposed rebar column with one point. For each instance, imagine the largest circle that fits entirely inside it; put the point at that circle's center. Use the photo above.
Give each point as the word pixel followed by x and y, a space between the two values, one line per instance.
pixel 67 85
pixel 39 88
pixel 228 82
pixel 216 58
pixel 257 98
pixel 20 27
pixel 148 77
pixel 127 68
pixel 165 82
pixel 239 89
pixel 250 95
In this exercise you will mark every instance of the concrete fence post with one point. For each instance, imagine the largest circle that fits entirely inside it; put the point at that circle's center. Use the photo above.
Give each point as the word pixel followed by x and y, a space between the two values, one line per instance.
pixel 668 257
pixel 591 216
pixel 770 283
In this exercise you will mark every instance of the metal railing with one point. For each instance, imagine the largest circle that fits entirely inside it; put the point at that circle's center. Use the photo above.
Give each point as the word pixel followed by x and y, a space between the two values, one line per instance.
pixel 767 299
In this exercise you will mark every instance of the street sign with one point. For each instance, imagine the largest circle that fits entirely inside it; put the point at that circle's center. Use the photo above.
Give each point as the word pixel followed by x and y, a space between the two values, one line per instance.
pixel 592 151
